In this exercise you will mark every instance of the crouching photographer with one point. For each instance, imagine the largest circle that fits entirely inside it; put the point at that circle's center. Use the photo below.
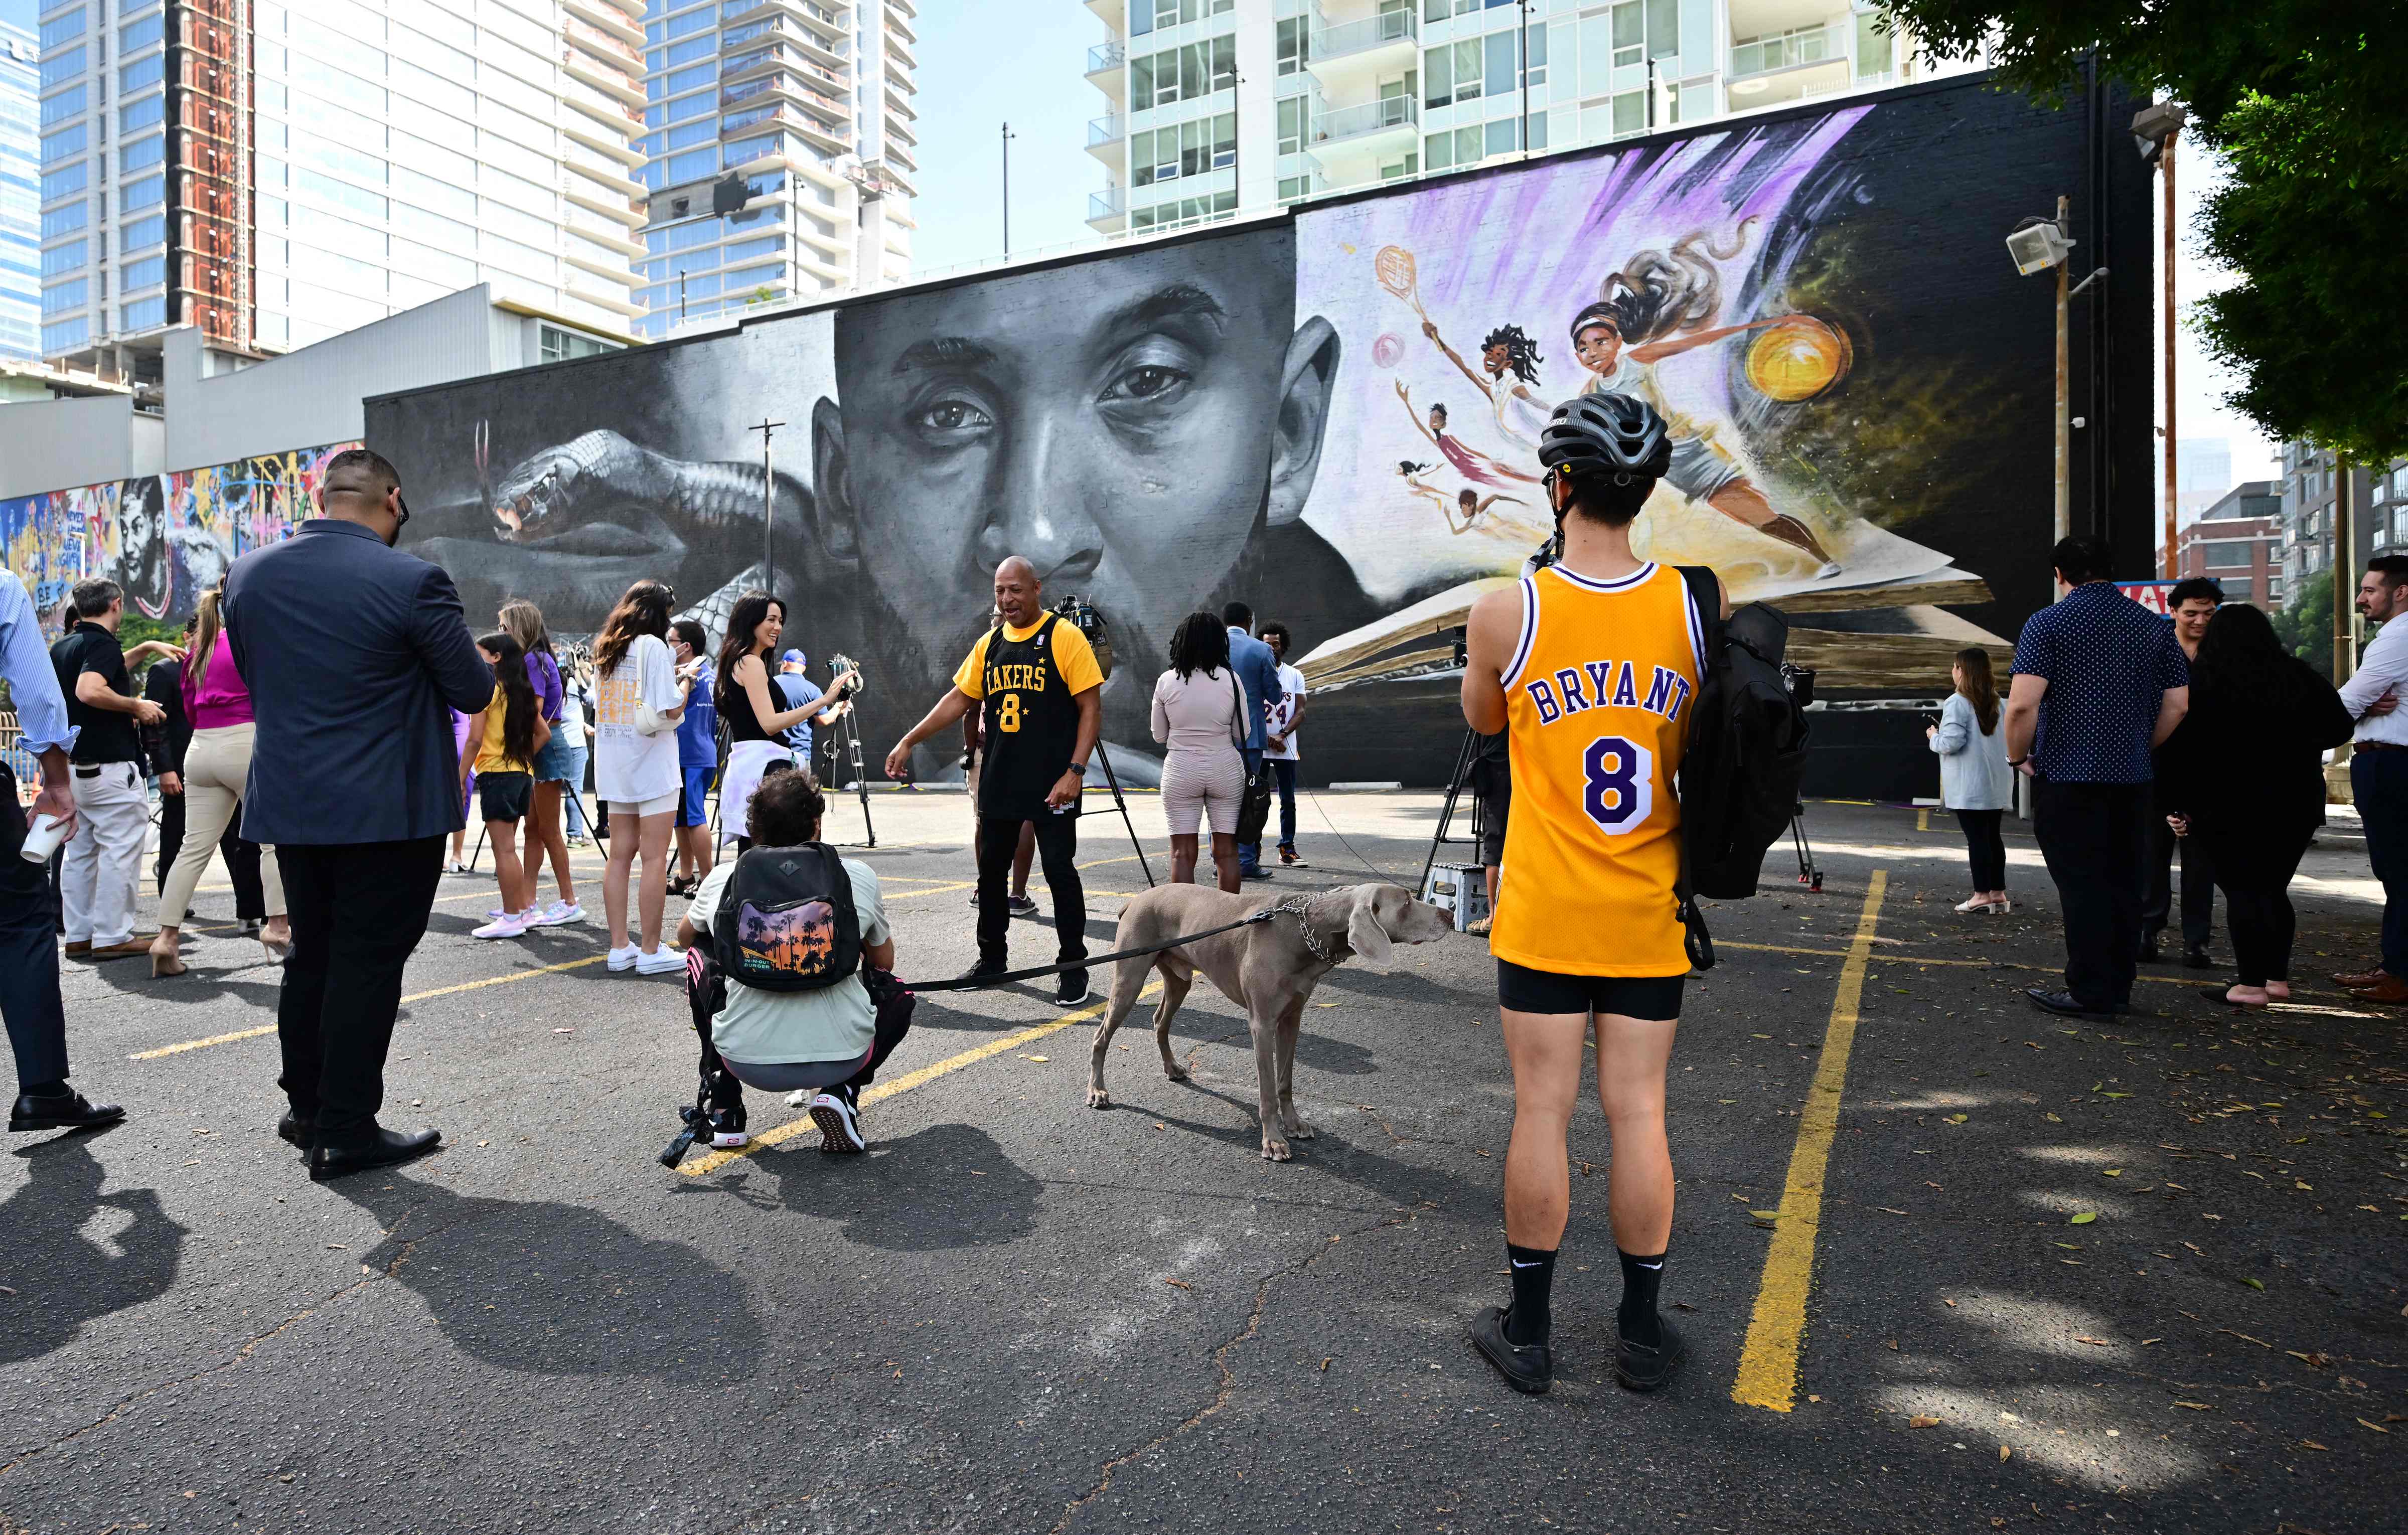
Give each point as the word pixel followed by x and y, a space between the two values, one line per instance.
pixel 790 972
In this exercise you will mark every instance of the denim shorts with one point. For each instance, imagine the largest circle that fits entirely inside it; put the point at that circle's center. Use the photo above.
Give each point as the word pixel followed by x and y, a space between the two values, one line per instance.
pixel 504 796
pixel 560 760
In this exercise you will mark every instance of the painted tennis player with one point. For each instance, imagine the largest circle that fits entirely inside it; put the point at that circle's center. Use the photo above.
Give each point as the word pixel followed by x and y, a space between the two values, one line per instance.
pixel 1468 462
pixel 1521 415
pixel 1468 503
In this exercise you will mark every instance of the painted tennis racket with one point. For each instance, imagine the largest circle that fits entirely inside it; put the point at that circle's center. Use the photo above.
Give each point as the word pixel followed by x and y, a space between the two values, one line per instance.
pixel 1394 265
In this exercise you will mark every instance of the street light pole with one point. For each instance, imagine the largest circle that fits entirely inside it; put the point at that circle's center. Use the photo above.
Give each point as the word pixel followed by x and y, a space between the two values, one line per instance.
pixel 1008 136
pixel 1524 133
pixel 2166 165
pixel 2064 407
pixel 768 508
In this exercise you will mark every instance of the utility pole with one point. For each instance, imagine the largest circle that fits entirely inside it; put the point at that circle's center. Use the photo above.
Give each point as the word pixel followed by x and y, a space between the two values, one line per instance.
pixel 2165 257
pixel 2064 407
pixel 1237 146
pixel 768 507
pixel 1525 80
pixel 1008 136
pixel 2344 573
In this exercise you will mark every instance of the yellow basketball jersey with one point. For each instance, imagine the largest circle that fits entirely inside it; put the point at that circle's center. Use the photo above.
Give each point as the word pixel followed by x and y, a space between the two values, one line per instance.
pixel 1597 711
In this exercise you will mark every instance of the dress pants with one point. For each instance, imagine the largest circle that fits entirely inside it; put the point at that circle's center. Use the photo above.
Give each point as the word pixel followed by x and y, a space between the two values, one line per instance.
pixel 241 860
pixel 29 954
pixel 357 911
pixel 2378 783
pixel 1058 851
pixel 217 764
pixel 2094 836
pixel 2198 884
pixel 103 873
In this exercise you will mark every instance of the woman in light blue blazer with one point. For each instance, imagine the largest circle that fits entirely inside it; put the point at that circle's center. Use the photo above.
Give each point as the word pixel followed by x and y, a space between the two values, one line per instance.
pixel 1974 778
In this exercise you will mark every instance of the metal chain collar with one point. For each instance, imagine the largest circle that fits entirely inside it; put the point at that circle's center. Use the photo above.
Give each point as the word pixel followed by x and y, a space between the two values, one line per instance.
pixel 1294 906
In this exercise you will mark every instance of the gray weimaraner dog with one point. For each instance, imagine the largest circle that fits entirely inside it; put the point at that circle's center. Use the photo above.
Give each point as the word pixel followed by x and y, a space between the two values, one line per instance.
pixel 1269 968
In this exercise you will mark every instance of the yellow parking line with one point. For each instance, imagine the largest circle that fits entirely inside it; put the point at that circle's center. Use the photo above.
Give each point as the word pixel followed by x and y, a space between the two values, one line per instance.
pixel 911 1078
pixel 1768 1365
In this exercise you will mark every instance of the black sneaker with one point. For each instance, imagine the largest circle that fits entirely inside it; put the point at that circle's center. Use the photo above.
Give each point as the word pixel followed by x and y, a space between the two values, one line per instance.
pixel 1644 1369
pixel 1024 906
pixel 2064 1006
pixel 984 968
pixel 839 1116
pixel 1527 1367
pixel 1072 990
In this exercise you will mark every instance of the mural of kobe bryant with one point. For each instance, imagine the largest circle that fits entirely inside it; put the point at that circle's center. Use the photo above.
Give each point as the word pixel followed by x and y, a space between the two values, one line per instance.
pixel 1145 429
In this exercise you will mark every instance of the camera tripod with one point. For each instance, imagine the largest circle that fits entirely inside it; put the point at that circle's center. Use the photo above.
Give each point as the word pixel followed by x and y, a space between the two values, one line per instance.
pixel 844 749
pixel 1465 757
pixel 1112 779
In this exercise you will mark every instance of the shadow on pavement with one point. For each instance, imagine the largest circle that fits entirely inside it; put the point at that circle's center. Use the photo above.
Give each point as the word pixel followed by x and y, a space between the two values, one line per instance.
pixel 554 1289
pixel 946 1186
pixel 62 1275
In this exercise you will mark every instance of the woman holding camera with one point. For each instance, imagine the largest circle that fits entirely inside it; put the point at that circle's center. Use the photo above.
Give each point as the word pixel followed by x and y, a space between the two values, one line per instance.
pixel 1199 714
pixel 756 727
pixel 1974 778
pixel 639 698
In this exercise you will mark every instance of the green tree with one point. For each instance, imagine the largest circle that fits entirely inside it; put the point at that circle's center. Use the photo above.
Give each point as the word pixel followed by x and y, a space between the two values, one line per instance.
pixel 2305 627
pixel 2302 99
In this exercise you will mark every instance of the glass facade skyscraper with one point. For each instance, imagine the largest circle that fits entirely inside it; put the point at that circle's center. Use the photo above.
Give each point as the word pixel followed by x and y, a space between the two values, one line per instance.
pixel 801 108
pixel 20 175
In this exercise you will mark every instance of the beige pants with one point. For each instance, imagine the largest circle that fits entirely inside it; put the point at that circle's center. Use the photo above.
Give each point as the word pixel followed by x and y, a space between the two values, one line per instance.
pixel 215 766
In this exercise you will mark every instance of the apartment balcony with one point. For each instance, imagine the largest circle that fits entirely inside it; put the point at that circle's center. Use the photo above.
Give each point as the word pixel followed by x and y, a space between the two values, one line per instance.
pixel 1108 206
pixel 905 7
pixel 609 173
pixel 899 92
pixel 1105 71
pixel 897 23
pixel 603 44
pixel 628 209
pixel 1396 117
pixel 828 21
pixel 632 9
pixel 771 119
pixel 899 130
pixel 609 136
pixel 586 69
pixel 609 18
pixel 895 179
pixel 595 227
pixel 896 155
pixel 1789 66
pixel 608 109
pixel 1111 128
pixel 896 45
pixel 1351 57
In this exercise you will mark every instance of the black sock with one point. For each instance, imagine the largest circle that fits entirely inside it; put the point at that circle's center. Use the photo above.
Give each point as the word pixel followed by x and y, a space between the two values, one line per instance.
pixel 1636 1318
pixel 44 1090
pixel 1534 1275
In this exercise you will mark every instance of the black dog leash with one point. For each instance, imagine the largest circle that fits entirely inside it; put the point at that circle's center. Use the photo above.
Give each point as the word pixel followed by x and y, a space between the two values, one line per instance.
pixel 1294 906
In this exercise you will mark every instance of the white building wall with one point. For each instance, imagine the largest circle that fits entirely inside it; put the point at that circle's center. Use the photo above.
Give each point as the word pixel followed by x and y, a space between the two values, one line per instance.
pixel 53 444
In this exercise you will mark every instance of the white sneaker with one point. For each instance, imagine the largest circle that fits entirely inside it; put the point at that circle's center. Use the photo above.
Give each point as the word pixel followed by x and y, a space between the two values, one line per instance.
pixel 625 959
pixel 661 961
pixel 558 914
pixel 502 927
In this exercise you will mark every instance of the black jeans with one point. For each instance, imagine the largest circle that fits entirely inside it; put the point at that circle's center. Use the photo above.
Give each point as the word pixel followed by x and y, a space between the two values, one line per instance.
pixel 1986 848
pixel 2378 784
pixel 242 861
pixel 2094 836
pixel 358 911
pixel 1057 852
pixel 2198 884
pixel 29 954
pixel 2258 905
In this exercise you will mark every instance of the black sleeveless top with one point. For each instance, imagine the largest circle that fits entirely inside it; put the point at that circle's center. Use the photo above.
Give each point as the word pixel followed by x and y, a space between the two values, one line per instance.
pixel 736 708
pixel 1031 723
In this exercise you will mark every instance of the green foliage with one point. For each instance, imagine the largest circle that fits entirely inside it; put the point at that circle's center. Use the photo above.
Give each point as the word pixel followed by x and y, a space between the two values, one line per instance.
pixel 134 629
pixel 2302 98
pixel 2306 626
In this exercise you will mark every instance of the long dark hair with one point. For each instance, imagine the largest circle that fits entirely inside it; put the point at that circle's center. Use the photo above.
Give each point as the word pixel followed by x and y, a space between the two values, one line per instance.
pixel 2242 662
pixel 1657 295
pixel 751 610
pixel 1200 643
pixel 644 610
pixel 1521 352
pixel 520 708
pixel 1979 688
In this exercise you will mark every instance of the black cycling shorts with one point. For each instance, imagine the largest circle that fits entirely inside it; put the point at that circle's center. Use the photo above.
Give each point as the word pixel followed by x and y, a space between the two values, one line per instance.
pixel 1652 997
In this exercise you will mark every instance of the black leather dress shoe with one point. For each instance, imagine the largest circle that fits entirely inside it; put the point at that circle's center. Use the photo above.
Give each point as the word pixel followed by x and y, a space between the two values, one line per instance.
pixel 293 1128
pixel 389 1149
pixel 2064 1006
pixel 2195 957
pixel 2149 949
pixel 61 1112
pixel 1527 1367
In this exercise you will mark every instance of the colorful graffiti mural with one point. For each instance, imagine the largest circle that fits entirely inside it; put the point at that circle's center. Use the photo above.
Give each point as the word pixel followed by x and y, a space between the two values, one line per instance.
pixel 166 537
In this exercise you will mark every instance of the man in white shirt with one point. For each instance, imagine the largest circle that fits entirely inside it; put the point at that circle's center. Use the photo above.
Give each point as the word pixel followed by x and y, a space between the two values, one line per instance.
pixel 2378 768
pixel 1280 749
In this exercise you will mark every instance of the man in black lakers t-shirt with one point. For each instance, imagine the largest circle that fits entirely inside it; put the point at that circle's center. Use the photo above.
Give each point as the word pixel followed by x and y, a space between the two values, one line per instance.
pixel 1041 690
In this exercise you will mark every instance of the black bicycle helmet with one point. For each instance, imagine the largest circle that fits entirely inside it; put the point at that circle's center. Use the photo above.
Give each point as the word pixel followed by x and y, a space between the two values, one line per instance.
pixel 1606 434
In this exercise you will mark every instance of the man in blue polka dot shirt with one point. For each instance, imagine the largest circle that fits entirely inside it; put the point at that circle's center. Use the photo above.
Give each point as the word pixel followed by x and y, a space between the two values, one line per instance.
pixel 2100 682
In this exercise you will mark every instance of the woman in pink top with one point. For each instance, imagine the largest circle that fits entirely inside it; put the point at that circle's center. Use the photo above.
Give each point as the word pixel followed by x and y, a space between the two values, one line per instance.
pixel 216 765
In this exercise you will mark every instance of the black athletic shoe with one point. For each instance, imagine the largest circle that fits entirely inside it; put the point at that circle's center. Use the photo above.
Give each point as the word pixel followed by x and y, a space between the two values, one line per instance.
pixel 837 1114
pixel 2149 949
pixel 1024 906
pixel 2063 1005
pixel 2195 957
pixel 1072 990
pixel 984 968
pixel 1644 1369
pixel 1527 1367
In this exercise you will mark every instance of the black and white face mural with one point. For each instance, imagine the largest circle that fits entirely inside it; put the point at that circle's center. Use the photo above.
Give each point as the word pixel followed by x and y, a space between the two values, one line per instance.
pixel 1333 417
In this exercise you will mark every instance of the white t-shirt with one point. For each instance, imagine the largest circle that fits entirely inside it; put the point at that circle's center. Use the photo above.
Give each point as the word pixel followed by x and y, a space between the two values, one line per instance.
pixel 784 1028
pixel 629 766
pixel 1292 684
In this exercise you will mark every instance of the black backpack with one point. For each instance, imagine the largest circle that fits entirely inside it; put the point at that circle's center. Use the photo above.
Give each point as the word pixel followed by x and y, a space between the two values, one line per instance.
pixel 1747 757
pixel 785 920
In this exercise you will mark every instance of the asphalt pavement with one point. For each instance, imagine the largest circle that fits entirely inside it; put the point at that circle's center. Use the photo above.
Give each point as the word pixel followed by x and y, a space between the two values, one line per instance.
pixel 1944 1263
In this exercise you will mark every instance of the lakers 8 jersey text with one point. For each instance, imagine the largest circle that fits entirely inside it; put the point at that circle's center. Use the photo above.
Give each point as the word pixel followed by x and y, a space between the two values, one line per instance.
pixel 1596 706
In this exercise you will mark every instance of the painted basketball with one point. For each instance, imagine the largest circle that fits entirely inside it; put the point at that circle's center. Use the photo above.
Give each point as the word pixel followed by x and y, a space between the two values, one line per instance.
pixel 1797 359
pixel 1388 349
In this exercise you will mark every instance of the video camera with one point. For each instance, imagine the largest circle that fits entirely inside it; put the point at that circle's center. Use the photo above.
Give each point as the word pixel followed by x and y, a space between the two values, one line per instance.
pixel 839 663
pixel 1081 615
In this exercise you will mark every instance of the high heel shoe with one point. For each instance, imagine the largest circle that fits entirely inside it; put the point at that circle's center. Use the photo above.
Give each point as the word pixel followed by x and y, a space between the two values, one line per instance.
pixel 279 948
pixel 1979 903
pixel 163 962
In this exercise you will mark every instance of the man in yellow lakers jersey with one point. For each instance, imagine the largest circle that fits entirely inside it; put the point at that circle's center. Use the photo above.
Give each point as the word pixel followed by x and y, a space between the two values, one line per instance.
pixel 1592 667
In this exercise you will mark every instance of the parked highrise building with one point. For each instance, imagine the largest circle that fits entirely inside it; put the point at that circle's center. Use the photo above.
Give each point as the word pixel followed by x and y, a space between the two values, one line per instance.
pixel 21 173
pixel 782 152
pixel 277 175
pixel 2309 487
pixel 1217 103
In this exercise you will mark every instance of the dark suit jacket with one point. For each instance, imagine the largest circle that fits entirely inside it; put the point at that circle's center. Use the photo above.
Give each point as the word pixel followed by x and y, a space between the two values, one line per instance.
pixel 166 742
pixel 354 654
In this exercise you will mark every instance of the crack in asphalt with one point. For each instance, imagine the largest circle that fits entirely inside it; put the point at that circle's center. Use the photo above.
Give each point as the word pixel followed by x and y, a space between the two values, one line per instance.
pixel 1219 1362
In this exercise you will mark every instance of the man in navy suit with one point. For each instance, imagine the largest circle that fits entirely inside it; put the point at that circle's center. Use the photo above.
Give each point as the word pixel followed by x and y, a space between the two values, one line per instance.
pixel 1257 671
pixel 354 653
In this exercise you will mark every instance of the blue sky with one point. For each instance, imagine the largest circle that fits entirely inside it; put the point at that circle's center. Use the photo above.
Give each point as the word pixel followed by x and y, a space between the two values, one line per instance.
pixel 18 12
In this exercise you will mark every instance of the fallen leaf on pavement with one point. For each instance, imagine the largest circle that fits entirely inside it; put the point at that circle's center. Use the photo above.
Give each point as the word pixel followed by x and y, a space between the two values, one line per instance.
pixel 2111 1172
pixel 2254 1283
pixel 2311 1444
pixel 1179 1282
pixel 2376 1427
pixel 2004 1451
pixel 2245 1337
pixel 2318 1360
pixel 1035 1057
pixel 2082 1217
pixel 1766 1214
pixel 1955 1119
pixel 1919 1421
pixel 2052 1118
pixel 2094 1343
pixel 2196 1406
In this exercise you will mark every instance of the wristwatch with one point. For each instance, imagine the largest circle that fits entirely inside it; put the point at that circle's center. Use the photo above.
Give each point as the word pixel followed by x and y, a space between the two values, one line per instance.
pixel 1080 768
